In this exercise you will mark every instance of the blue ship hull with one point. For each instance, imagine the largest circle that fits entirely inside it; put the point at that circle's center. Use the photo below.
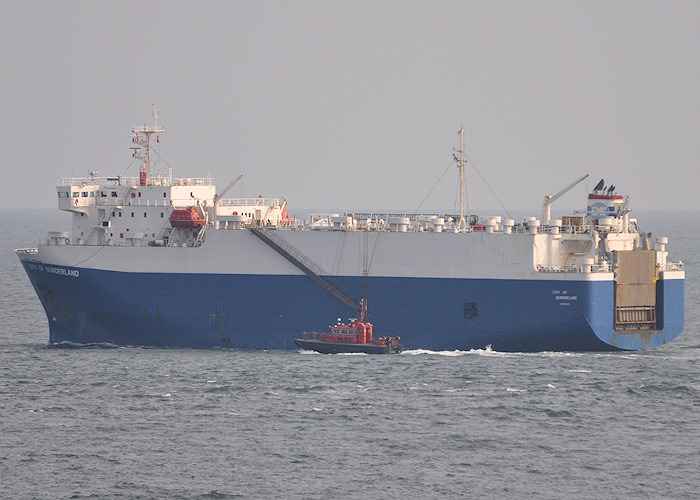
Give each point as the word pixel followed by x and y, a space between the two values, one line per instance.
pixel 269 311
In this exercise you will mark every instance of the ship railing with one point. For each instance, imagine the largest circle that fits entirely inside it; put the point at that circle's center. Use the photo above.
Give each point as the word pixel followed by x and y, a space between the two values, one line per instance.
pixel 674 266
pixel 27 251
pixel 157 180
pixel 603 267
pixel 93 181
pixel 250 202
pixel 144 202
pixel 521 228
pixel 413 217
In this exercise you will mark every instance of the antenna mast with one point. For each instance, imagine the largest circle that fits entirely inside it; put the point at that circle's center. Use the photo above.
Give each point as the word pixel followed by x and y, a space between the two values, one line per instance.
pixel 462 225
pixel 146 142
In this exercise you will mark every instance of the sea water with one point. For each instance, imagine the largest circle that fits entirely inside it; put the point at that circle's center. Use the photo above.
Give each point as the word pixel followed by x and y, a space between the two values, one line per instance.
pixel 100 422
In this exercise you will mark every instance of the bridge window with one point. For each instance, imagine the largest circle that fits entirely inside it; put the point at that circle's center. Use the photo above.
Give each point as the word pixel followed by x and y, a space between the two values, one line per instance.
pixel 114 194
pixel 84 194
pixel 63 194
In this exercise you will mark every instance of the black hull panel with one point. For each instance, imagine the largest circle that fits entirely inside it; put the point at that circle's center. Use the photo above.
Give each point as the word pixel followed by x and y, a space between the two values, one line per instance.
pixel 340 347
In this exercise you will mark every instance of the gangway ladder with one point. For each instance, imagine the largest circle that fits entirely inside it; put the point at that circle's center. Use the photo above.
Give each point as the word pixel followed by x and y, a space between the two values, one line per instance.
pixel 307 266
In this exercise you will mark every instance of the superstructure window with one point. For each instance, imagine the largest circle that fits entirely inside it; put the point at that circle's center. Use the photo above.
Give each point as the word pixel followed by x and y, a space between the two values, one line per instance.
pixel 114 194
pixel 63 194
pixel 132 214
pixel 161 215
pixel 75 194
pixel 144 214
pixel 84 194
pixel 120 214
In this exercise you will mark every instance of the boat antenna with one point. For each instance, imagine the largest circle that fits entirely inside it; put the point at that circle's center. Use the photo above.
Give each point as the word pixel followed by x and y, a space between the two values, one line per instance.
pixel 365 275
pixel 460 158
pixel 145 142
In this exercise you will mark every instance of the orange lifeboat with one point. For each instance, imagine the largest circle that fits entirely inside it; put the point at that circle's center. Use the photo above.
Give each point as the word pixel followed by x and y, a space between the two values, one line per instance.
pixel 186 217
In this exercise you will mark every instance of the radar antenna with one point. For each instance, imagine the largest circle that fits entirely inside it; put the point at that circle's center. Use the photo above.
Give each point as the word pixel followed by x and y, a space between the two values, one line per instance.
pixel 145 151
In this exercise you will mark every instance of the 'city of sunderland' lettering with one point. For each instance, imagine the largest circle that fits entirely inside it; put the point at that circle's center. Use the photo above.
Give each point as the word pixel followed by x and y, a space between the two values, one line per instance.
pixel 563 298
pixel 54 270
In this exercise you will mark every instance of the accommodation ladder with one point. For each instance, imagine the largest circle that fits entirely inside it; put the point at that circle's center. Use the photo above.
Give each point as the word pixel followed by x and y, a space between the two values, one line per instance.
pixel 306 265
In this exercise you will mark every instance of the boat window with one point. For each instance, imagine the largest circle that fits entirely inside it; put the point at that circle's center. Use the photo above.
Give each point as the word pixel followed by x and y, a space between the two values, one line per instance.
pixel 139 194
pixel 144 214
pixel 161 215
pixel 103 194
pixel 63 194
pixel 92 194
pixel 165 195
pixel 114 194
pixel 75 194
pixel 120 214
pixel 132 214
pixel 84 194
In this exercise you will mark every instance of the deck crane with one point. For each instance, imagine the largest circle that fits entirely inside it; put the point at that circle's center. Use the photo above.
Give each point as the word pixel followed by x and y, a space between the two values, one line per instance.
pixel 548 200
pixel 217 197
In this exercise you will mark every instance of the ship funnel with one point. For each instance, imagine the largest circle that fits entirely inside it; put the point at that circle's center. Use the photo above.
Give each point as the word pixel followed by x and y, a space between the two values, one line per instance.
pixel 604 203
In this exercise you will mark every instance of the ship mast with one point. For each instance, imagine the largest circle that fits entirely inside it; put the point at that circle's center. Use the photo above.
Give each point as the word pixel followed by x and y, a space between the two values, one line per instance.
pixel 145 142
pixel 462 225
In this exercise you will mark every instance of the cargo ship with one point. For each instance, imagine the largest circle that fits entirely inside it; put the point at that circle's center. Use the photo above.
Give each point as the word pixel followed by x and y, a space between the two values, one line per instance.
pixel 156 260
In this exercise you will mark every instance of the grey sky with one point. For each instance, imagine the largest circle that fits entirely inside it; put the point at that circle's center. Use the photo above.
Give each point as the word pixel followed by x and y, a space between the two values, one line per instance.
pixel 356 104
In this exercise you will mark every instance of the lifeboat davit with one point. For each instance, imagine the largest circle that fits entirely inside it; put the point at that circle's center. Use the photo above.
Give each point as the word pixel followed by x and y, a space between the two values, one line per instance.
pixel 186 217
